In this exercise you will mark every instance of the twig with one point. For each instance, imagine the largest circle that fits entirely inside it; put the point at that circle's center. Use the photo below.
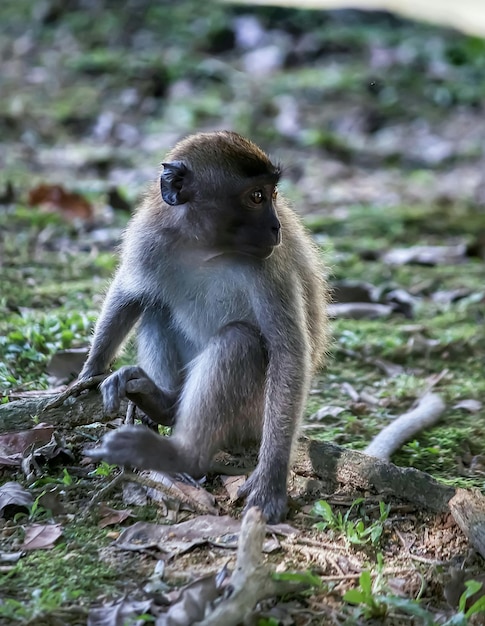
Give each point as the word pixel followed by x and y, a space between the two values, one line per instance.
pixel 252 581
pixel 171 491
pixel 101 493
pixel 74 390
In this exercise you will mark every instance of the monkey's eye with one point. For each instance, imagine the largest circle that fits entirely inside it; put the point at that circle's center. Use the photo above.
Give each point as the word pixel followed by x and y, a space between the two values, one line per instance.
pixel 257 196
pixel 274 195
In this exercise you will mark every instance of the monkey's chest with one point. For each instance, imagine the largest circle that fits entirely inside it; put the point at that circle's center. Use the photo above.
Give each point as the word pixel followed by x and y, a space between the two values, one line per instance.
pixel 201 305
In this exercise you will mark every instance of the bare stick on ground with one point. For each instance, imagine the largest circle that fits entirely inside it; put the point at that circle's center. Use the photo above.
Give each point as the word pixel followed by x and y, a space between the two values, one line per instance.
pixel 252 580
pixel 337 466
pixel 74 390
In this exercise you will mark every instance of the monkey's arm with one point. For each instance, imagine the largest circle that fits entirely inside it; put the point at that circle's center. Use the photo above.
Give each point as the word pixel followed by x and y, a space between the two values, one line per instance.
pixel 120 312
pixel 287 382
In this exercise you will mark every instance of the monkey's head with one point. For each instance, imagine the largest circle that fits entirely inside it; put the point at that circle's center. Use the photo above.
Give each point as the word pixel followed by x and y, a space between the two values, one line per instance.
pixel 226 188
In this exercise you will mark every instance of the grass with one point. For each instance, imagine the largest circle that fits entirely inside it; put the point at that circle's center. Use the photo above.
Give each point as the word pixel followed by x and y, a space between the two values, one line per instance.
pixel 54 272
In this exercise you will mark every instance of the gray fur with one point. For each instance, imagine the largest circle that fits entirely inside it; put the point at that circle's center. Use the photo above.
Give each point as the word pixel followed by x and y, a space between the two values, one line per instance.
pixel 227 341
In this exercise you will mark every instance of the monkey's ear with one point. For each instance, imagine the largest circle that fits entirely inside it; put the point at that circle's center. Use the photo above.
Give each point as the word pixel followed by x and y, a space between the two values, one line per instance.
pixel 172 182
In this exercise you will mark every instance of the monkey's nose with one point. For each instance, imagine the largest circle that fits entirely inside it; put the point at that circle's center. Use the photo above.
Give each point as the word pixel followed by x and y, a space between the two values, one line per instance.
pixel 276 230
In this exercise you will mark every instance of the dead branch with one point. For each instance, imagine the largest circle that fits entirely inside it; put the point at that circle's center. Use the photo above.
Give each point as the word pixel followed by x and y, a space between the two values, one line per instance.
pixel 252 580
pixel 340 466
pixel 75 390
pixel 23 414
pixel 332 464
pixel 427 412
pixel 468 510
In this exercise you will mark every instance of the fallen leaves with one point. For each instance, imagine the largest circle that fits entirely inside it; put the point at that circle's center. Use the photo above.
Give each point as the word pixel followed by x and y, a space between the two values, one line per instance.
pixel 222 531
pixel 14 445
pixel 41 536
pixel 354 299
pixel 14 499
pixel 109 516
pixel 116 613
pixel 55 198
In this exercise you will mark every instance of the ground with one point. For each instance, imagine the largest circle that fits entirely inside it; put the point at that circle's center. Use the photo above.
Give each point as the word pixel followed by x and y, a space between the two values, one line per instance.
pixel 379 125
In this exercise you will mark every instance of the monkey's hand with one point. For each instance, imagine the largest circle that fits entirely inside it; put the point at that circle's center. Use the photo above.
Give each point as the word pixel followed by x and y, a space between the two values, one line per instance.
pixel 134 446
pixel 133 383
pixel 268 493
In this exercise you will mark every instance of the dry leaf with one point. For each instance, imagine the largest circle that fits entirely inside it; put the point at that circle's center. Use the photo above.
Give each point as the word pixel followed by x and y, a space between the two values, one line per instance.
pixel 10 557
pixel 192 603
pixel 118 613
pixel 353 291
pixel 326 411
pixel 56 198
pixel 471 405
pixel 176 539
pixel 14 499
pixel 232 484
pixel 41 536
pixel 13 445
pixel 202 500
pixel 112 516
pixel 65 365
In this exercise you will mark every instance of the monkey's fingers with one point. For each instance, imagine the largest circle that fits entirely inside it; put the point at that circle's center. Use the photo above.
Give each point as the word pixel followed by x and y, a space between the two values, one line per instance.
pixel 116 387
pixel 151 400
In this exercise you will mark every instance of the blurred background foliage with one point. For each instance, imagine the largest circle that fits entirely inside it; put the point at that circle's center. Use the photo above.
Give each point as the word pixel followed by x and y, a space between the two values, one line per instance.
pixel 378 122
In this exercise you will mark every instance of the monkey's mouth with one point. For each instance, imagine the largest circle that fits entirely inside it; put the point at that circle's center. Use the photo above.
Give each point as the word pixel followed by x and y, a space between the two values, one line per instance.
pixel 257 252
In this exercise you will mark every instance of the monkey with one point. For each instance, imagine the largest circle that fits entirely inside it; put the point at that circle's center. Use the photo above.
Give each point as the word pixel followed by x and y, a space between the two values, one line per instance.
pixel 228 294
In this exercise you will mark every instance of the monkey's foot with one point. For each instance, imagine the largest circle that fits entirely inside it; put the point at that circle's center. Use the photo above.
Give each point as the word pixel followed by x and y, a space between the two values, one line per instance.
pixel 133 383
pixel 137 446
pixel 268 494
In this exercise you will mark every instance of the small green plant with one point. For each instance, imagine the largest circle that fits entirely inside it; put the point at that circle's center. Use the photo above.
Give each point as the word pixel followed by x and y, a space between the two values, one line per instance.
pixel 268 621
pixel 355 531
pixel 372 602
pixel 36 513
pixel 365 597
pixel 104 470
pixel 472 587
pixel 145 618
pixel 303 578
pixel 43 602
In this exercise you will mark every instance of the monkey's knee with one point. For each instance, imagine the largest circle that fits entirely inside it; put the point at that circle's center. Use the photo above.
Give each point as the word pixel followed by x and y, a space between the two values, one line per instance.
pixel 243 340
pixel 241 330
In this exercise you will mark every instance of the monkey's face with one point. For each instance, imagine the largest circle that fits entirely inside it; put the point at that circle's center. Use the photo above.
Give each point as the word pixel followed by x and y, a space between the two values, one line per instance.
pixel 228 188
pixel 252 226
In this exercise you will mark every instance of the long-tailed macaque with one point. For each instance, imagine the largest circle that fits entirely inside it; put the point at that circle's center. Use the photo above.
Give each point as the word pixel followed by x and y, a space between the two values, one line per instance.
pixel 228 292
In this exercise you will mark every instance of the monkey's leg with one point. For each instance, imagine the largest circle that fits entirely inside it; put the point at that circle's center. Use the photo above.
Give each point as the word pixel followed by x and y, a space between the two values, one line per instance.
pixel 133 383
pixel 222 400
